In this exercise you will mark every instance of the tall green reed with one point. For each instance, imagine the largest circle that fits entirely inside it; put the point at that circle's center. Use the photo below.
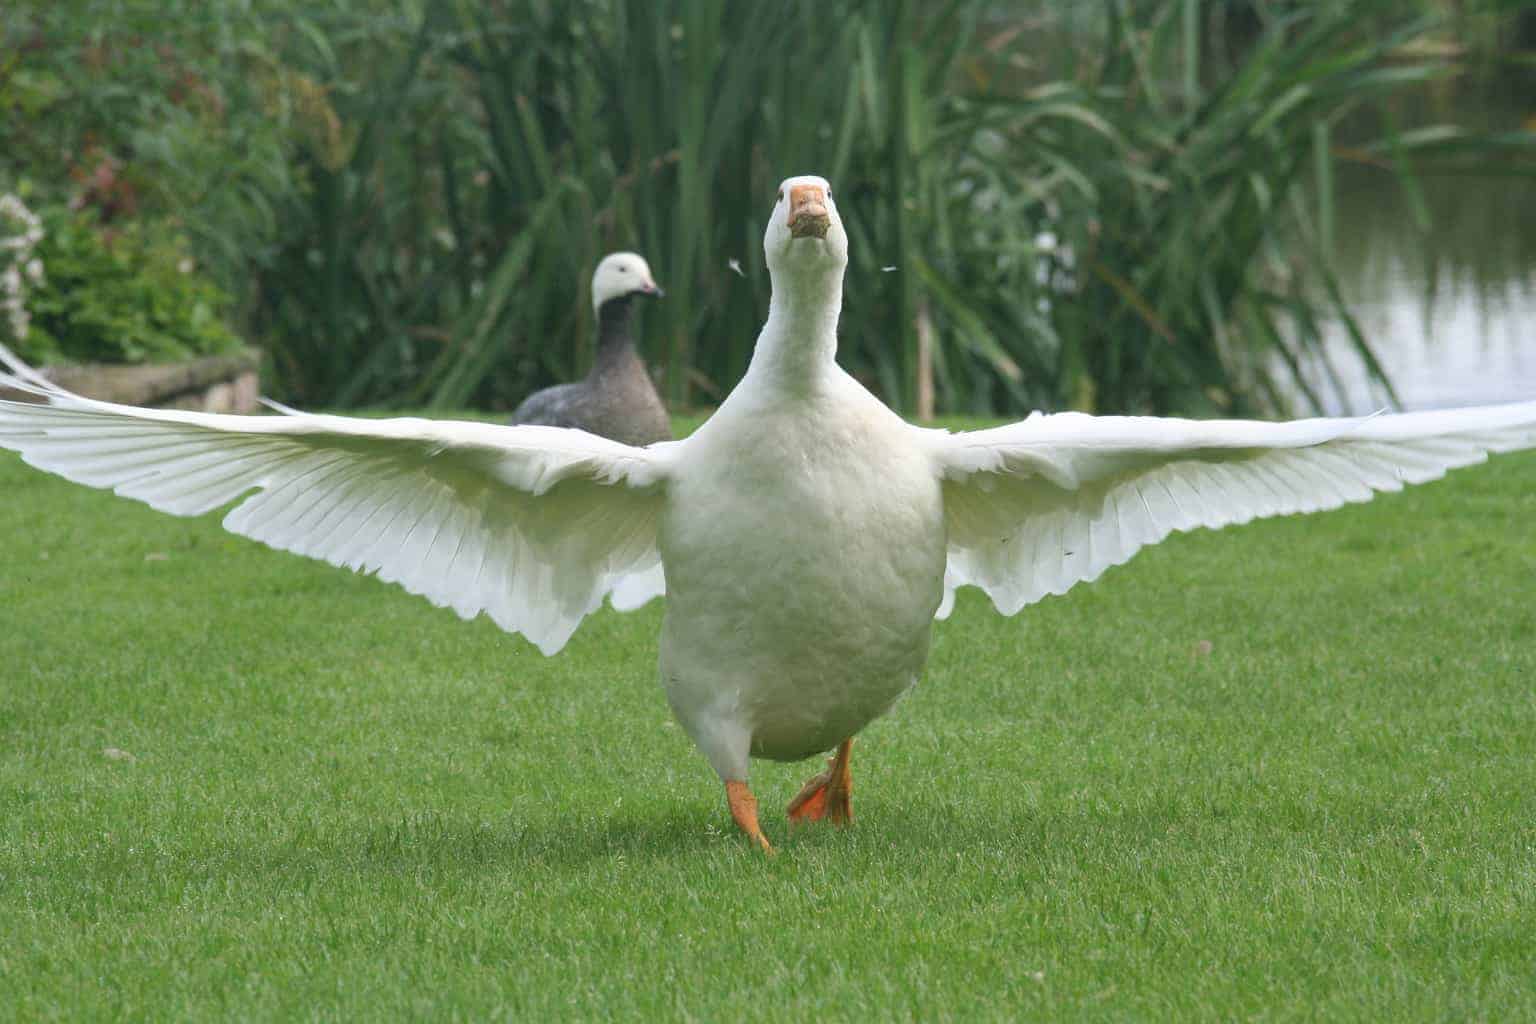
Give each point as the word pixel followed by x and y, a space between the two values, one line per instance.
pixel 1119 206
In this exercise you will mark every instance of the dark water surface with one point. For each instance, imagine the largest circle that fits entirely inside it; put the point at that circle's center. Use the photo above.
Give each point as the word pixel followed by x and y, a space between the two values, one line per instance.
pixel 1449 309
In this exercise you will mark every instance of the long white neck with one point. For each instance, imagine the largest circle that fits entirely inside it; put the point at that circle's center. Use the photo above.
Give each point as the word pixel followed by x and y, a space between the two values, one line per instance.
pixel 798 344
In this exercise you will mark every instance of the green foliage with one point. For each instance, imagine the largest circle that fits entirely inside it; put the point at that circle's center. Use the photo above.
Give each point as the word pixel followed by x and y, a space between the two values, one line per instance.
pixel 523 145
pixel 1118 206
pixel 346 804
pixel 1206 258
pixel 1069 232
pixel 131 295
pixel 182 99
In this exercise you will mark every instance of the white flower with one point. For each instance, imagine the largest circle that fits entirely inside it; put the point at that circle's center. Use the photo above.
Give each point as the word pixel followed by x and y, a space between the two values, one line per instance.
pixel 20 231
pixel 31 225
pixel 184 265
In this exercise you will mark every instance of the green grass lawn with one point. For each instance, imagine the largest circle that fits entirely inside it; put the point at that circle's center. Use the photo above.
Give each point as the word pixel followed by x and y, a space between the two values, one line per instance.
pixel 1283 771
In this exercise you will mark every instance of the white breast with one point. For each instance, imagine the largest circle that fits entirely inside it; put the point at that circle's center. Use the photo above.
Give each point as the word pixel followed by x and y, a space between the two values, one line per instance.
pixel 829 519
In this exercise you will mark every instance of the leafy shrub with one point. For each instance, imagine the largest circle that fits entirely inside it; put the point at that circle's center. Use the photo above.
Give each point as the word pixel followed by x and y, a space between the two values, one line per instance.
pixel 131 295
pixel 1130 214
pixel 1115 207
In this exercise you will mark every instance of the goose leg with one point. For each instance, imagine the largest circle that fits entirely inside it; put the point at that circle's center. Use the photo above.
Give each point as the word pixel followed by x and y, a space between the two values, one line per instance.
pixel 828 795
pixel 744 812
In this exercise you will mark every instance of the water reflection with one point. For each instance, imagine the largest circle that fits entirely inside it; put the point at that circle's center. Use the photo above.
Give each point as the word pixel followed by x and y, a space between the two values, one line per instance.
pixel 1451 309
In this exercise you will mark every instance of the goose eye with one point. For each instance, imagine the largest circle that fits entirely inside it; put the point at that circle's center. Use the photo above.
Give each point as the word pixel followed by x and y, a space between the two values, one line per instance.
pixel 781 195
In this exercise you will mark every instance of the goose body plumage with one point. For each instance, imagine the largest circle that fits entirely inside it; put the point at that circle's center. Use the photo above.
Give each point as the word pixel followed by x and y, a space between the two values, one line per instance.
pixel 828 525
pixel 616 399
pixel 805 536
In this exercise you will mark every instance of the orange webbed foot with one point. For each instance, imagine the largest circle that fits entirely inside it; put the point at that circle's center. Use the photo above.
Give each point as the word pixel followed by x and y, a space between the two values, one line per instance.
pixel 828 796
pixel 744 812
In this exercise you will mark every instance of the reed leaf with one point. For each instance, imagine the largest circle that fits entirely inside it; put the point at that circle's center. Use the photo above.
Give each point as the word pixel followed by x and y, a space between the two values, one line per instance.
pixel 1124 206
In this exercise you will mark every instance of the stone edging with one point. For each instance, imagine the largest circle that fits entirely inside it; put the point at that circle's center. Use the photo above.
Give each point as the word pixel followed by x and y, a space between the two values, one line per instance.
pixel 225 383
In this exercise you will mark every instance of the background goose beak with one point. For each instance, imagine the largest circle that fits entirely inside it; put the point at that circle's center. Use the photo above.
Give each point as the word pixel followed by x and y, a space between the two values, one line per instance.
pixel 653 290
pixel 808 216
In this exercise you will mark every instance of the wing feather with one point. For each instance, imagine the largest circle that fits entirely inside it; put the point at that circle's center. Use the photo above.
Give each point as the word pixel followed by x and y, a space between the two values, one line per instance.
pixel 531 526
pixel 1035 507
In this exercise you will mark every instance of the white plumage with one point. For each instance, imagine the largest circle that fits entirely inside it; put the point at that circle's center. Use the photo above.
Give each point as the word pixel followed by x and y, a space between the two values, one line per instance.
pixel 1038 506
pixel 472 516
pixel 805 535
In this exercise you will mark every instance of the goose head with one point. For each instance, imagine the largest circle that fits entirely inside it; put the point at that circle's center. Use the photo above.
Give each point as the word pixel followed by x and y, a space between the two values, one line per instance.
pixel 620 275
pixel 805 233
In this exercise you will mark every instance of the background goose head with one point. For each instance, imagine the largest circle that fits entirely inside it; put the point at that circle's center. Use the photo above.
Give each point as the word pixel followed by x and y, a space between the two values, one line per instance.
pixel 619 276
pixel 805 235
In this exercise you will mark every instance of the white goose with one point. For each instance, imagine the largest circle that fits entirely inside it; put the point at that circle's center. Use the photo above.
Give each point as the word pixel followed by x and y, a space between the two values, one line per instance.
pixel 807 535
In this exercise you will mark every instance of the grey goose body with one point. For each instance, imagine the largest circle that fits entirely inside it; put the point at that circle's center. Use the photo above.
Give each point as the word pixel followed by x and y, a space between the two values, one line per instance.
pixel 616 399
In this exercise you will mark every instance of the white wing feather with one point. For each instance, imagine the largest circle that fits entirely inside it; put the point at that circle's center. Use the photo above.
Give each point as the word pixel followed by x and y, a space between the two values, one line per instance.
pixel 530 525
pixel 1037 506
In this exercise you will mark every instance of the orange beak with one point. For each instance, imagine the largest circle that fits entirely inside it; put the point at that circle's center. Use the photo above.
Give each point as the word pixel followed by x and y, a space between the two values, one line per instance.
pixel 808 216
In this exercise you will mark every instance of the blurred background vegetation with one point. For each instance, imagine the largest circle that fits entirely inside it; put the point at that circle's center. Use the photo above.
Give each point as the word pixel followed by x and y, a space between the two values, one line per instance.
pixel 1126 205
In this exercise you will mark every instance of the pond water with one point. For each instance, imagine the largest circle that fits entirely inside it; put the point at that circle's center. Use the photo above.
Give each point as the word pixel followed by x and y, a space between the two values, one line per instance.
pixel 1450 310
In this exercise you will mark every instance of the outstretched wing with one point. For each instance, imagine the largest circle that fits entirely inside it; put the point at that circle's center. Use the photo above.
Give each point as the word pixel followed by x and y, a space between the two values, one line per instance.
pixel 1040 505
pixel 531 525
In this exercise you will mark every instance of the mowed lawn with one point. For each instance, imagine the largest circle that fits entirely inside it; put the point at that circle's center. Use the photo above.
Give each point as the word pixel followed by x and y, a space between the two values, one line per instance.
pixel 1285 771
